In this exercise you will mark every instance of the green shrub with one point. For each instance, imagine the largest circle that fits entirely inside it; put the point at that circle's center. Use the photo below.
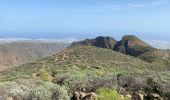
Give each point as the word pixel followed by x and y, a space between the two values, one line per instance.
pixel 107 94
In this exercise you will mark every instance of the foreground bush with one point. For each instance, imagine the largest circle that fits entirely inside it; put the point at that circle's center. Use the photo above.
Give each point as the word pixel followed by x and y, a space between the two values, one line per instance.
pixel 49 91
pixel 107 94
pixel 35 90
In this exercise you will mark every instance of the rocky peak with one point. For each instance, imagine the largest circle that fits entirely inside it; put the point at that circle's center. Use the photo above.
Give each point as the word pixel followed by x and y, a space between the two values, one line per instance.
pixel 132 45
pixel 103 42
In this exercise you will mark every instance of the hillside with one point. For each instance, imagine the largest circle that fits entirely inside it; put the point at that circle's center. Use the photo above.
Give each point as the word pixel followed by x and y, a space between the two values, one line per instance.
pixel 90 68
pixel 17 53
pixel 157 56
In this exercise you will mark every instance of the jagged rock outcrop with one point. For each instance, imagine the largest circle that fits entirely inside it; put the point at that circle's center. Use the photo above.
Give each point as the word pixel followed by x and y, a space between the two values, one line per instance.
pixel 103 42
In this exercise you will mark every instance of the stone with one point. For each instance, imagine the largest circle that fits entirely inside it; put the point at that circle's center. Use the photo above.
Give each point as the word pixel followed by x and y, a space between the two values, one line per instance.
pixel 138 97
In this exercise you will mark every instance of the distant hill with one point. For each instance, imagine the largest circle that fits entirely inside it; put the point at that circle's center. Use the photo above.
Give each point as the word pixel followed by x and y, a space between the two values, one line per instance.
pixel 155 55
pixel 16 53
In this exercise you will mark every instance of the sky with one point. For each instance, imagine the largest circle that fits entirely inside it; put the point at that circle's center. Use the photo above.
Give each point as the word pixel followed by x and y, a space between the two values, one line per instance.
pixel 148 19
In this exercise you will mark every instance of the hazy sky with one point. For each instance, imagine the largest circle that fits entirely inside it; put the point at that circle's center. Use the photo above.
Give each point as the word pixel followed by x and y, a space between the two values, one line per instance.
pixel 148 19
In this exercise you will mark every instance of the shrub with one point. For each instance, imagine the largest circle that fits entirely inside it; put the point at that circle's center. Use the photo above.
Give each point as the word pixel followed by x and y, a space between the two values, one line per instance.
pixel 33 90
pixel 49 91
pixel 19 92
pixel 152 86
pixel 107 94
pixel 91 83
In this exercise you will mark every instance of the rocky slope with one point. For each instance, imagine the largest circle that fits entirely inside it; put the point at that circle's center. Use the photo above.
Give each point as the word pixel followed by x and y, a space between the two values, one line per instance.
pixel 16 53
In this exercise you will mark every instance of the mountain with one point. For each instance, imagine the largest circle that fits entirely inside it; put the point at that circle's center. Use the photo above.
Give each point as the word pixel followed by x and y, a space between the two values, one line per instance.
pixel 103 42
pixel 17 53
pixel 131 45
pixel 89 68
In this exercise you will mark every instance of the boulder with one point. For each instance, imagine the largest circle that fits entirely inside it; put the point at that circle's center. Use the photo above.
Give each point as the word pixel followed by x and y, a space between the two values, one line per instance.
pixel 91 96
pixel 128 96
pixel 153 96
pixel 138 97
pixel 9 98
pixel 76 96
pixel 84 96
pixel 122 97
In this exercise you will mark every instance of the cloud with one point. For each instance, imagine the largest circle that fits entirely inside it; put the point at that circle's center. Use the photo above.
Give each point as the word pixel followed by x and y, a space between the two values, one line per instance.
pixel 149 4
pixel 13 39
pixel 159 44
pixel 122 5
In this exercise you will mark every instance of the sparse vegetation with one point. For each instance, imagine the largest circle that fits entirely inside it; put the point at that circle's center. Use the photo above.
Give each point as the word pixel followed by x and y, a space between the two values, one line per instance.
pixel 89 68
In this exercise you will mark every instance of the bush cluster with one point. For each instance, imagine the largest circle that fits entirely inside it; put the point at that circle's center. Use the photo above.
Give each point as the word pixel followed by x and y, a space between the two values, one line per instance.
pixel 39 90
